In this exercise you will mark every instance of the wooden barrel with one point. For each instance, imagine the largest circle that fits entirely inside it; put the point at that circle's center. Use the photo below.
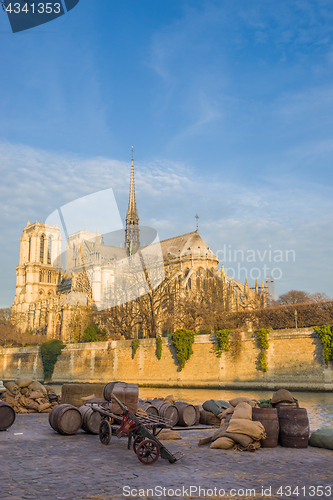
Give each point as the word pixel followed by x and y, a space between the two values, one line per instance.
pixel 91 420
pixel 270 420
pixel 166 410
pixel 7 416
pixel 294 427
pixel 208 418
pixel 187 414
pixel 148 408
pixel 65 419
pixel 128 394
pixel 197 411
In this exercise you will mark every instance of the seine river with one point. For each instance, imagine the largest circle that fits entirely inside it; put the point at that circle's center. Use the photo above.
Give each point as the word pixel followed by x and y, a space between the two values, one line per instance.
pixel 318 404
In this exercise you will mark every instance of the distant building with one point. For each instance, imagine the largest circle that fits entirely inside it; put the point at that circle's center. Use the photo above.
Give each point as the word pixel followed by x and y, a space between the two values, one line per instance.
pixel 96 273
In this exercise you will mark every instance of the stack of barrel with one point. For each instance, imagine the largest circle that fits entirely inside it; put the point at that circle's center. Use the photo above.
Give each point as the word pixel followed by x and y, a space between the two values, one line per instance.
pixel 285 422
pixel 179 413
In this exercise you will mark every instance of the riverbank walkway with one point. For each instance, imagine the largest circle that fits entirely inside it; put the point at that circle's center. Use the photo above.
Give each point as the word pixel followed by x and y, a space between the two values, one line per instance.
pixel 37 463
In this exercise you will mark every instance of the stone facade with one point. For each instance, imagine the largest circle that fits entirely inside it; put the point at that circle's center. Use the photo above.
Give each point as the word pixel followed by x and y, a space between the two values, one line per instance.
pixel 97 271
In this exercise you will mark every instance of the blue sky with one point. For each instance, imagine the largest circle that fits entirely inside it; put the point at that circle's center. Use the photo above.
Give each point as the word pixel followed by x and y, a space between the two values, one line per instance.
pixel 229 107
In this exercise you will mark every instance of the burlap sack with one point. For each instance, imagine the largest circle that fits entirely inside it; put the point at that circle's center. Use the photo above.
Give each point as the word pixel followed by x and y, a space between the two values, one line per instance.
pixel 37 386
pixel 251 447
pixel 223 443
pixel 10 399
pixel 43 407
pixel 225 413
pixel 28 403
pixel 241 439
pixel 243 410
pixel 41 401
pixel 48 388
pixel 251 428
pixel 23 382
pixel 12 387
pixel 26 391
pixel 283 396
pixel 237 401
pixel 168 435
pixel 48 410
pixel 37 395
pixel 170 399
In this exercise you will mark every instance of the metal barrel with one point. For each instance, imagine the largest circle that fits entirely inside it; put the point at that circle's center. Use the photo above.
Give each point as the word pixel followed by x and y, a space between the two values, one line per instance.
pixel 7 416
pixel 91 419
pixel 294 427
pixel 65 419
pixel 270 420
pixel 187 414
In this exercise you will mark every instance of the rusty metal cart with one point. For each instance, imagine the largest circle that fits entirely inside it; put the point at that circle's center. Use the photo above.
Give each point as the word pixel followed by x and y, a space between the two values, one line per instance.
pixel 142 427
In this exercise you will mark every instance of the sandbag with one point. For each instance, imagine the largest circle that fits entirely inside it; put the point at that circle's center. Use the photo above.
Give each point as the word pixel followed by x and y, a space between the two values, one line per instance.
pixel 37 386
pixel 47 410
pixel 251 428
pixel 28 403
pixel 48 388
pixel 242 410
pixel 225 413
pixel 243 399
pixel 37 395
pixel 241 439
pixel 43 407
pixel 12 387
pixel 251 447
pixel 26 391
pixel 169 435
pixel 283 396
pixel 322 438
pixel 215 406
pixel 223 443
pixel 10 399
pixel 170 399
pixel 23 382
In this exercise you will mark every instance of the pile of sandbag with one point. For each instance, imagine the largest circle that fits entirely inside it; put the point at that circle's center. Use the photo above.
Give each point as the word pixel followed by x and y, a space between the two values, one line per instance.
pixel 29 396
pixel 238 430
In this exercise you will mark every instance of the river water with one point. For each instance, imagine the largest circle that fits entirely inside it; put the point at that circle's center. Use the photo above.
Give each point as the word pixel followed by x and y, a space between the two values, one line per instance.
pixel 319 405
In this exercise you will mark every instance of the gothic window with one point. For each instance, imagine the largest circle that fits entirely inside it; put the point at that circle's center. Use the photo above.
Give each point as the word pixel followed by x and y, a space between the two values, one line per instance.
pixel 29 254
pixel 40 277
pixel 41 249
pixel 49 250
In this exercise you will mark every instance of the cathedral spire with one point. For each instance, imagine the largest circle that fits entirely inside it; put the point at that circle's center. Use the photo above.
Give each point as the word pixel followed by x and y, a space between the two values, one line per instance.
pixel 132 240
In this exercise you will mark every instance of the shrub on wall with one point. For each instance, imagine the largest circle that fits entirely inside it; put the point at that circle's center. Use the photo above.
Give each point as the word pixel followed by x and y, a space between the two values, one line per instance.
pixel 325 333
pixel 50 350
pixel 222 341
pixel 182 340
pixel 135 346
pixel 262 336
pixel 94 334
pixel 159 347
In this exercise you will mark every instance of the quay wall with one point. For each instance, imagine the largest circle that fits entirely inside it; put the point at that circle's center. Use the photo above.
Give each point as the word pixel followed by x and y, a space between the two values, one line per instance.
pixel 294 359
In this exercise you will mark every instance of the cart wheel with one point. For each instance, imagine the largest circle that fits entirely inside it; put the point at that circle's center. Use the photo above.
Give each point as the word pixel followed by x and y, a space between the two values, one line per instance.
pixel 148 452
pixel 136 442
pixel 105 432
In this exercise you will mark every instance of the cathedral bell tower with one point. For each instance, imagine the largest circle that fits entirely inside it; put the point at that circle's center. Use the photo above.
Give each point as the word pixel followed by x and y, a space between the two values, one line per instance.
pixel 132 237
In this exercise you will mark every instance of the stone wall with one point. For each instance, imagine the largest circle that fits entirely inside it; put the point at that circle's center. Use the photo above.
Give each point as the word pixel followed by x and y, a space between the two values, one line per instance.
pixel 294 360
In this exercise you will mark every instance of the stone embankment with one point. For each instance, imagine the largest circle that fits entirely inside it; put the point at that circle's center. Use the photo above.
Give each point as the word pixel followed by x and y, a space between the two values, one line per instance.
pixel 294 360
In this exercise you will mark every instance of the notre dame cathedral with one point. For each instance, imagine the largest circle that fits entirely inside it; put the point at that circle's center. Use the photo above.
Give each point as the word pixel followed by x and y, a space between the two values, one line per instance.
pixel 98 270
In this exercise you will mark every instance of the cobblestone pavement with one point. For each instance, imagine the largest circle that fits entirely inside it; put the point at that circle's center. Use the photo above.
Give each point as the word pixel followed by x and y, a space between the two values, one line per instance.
pixel 37 463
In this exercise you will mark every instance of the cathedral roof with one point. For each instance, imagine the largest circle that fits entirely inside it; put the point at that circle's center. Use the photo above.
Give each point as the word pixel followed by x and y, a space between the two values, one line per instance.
pixel 186 245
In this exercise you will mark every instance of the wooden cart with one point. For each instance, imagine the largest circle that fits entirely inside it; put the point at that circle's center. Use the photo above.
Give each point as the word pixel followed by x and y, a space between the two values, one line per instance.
pixel 142 427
